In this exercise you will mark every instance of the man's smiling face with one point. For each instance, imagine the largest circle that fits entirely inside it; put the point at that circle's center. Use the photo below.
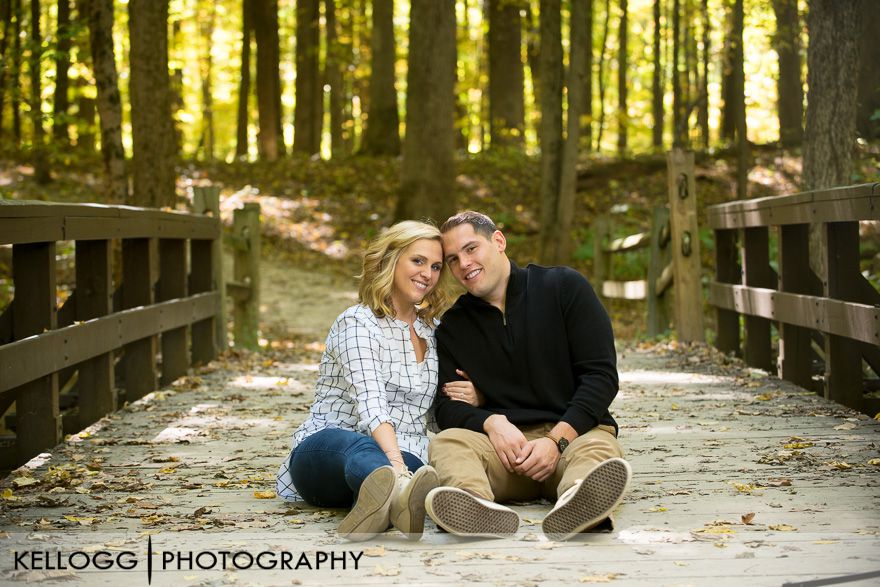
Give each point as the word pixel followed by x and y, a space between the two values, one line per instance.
pixel 477 262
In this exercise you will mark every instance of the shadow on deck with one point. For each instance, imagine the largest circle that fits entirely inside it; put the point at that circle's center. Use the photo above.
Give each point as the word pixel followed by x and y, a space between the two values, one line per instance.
pixel 739 478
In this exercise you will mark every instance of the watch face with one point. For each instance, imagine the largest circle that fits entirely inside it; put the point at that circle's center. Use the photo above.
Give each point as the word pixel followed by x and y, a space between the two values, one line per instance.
pixel 562 444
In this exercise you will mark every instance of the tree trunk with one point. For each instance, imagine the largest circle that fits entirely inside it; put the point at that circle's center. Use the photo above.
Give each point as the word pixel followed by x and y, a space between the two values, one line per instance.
pixel 207 32
pixel 109 103
pixel 551 124
pixel 382 135
pixel 244 83
pixel 150 89
pixel 40 156
pixel 678 124
pixel 6 16
pixel 347 56
pixel 506 109
pixel 533 50
pixel 739 105
pixel 428 169
pixel 622 65
pixel 787 42
pixel 270 140
pixel 16 71
pixel 333 65
pixel 868 118
pixel 728 93
pixel 586 21
pixel 703 111
pixel 832 79
pixel 61 104
pixel 361 39
pixel 308 112
pixel 605 27
pixel 657 83
pixel 577 71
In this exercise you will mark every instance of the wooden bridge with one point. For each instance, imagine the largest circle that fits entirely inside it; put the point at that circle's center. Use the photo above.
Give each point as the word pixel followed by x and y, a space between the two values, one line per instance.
pixel 740 476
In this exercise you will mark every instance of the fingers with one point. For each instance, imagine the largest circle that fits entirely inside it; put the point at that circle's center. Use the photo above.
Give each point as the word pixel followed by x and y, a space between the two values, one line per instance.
pixel 463 374
pixel 524 452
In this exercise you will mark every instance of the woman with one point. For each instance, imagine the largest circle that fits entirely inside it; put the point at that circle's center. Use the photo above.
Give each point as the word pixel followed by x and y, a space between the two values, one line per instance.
pixel 365 440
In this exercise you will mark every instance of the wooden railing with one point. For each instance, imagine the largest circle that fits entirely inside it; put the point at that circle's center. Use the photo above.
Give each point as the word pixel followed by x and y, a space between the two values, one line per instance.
pixel 674 258
pixel 825 310
pixel 166 287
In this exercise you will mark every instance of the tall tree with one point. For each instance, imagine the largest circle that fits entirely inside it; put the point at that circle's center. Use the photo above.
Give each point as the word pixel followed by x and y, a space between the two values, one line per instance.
pixel 270 140
pixel 61 104
pixel 787 43
pixel 832 79
pixel 551 123
pixel 244 80
pixel 703 111
pixel 622 66
pixel 40 156
pixel 308 112
pixel 382 133
pixel 585 20
pixel 728 84
pixel 206 21
pixel 868 118
pixel 679 126
pixel 109 104
pixel 6 17
pixel 333 74
pixel 577 71
pixel 15 76
pixel 428 167
pixel 605 28
pixel 739 105
pixel 657 82
pixel 150 89
pixel 506 105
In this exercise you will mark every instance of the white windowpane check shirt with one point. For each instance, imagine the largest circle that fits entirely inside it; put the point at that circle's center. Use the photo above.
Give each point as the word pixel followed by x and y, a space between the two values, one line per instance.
pixel 369 375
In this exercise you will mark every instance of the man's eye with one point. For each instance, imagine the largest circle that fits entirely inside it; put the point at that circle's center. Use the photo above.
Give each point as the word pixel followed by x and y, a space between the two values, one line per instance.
pixel 437 266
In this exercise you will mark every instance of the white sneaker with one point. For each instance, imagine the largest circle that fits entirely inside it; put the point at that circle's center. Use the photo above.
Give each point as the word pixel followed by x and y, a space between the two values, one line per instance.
pixel 370 513
pixel 408 505
pixel 588 501
pixel 461 513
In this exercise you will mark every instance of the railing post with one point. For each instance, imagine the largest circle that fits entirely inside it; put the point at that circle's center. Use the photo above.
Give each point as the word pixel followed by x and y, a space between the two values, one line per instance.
pixel 207 200
pixel 139 361
pixel 172 284
pixel 757 273
pixel 658 306
pixel 246 269
pixel 94 298
pixel 795 349
pixel 843 358
pixel 685 246
pixel 601 258
pixel 727 270
pixel 38 421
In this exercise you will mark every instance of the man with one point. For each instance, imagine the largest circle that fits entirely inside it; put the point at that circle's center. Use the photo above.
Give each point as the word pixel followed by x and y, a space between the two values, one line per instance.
pixel 535 346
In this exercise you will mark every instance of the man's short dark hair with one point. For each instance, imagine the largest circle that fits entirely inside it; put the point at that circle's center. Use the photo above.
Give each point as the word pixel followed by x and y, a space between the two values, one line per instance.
pixel 481 223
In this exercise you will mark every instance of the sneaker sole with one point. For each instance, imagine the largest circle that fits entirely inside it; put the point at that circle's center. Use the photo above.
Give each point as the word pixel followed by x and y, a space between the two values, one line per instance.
pixel 599 493
pixel 423 481
pixel 375 494
pixel 460 513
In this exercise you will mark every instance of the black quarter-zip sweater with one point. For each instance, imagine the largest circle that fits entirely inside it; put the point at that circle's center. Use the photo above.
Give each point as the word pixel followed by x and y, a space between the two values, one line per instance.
pixel 549 357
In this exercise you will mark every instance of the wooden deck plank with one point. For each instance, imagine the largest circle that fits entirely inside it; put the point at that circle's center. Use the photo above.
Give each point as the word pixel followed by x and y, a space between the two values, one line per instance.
pixel 701 445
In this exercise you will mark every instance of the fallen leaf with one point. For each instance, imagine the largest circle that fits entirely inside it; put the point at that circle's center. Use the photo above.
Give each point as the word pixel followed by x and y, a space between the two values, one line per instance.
pixel 657 509
pixel 875 462
pixel 782 528
pixel 846 426
pixel 825 541
pixel 798 445
pixel 383 572
pixel 606 578
pixel 24 481
pixel 80 521
pixel 841 465
pixel 377 551
pixel 747 518
pixel 264 494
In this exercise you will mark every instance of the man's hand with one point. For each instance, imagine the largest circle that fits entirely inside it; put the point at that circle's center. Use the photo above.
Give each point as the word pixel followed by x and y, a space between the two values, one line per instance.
pixel 543 455
pixel 508 440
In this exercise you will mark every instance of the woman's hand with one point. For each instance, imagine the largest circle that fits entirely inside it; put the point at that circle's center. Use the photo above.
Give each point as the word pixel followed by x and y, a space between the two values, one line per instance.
pixel 464 391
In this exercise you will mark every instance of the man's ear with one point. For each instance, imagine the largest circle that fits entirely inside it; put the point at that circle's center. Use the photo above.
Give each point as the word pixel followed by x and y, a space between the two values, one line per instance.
pixel 499 240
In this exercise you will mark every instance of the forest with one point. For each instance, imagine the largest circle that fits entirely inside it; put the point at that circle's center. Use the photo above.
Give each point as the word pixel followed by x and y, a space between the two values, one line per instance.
pixel 346 114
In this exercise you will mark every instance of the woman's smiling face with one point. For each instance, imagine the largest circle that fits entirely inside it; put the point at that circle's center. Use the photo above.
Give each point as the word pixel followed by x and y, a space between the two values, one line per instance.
pixel 417 272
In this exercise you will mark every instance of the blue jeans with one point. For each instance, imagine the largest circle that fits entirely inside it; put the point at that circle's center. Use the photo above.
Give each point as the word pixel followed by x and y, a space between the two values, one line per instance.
pixel 329 466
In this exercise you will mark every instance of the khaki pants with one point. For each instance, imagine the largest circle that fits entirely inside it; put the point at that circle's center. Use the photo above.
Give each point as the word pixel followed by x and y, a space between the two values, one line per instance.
pixel 467 460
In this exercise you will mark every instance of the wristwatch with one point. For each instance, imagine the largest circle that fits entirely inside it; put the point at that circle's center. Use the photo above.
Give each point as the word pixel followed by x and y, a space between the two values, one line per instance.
pixel 561 442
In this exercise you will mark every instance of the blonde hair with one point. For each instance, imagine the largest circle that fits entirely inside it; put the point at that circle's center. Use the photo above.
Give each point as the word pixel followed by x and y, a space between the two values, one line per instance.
pixel 380 261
